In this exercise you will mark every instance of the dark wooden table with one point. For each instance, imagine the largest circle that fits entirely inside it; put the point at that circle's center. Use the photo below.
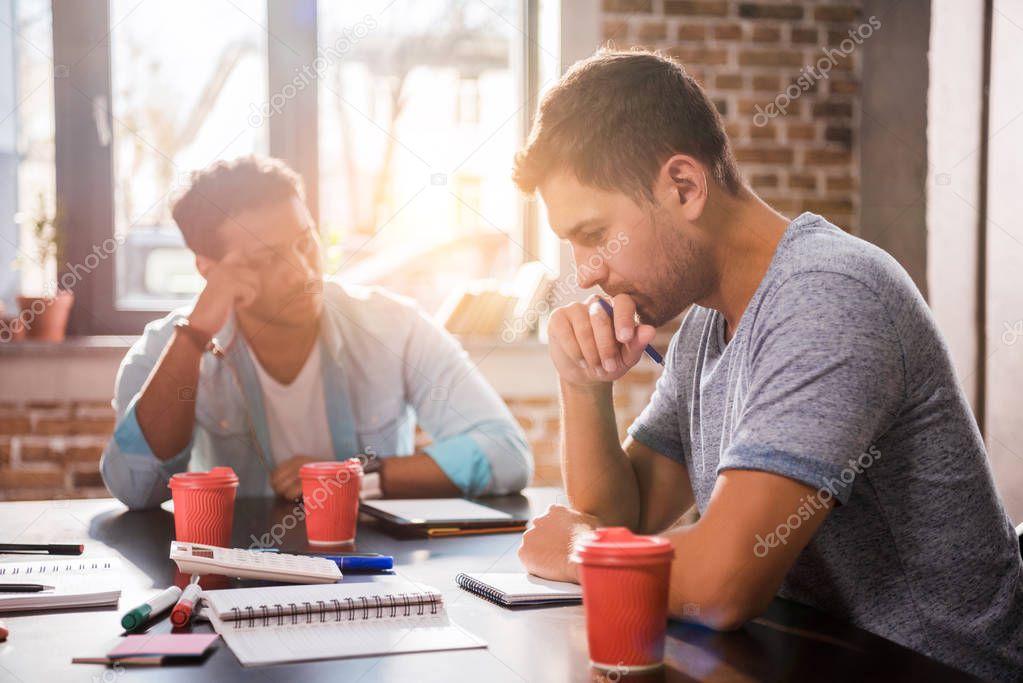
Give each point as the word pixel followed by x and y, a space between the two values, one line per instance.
pixel 790 642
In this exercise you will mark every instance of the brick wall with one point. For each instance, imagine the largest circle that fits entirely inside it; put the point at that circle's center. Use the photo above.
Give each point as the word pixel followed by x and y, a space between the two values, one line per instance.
pixel 52 449
pixel 746 54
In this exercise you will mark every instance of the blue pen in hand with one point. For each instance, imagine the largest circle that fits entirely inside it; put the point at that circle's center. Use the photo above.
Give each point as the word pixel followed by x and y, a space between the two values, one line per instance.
pixel 650 351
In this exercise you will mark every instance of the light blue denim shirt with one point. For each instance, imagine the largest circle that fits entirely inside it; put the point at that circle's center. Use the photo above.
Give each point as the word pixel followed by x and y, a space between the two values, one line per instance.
pixel 386 367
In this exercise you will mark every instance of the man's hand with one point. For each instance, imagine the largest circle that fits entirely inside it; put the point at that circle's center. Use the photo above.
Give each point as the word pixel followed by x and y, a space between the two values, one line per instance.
pixel 548 542
pixel 284 479
pixel 589 348
pixel 230 283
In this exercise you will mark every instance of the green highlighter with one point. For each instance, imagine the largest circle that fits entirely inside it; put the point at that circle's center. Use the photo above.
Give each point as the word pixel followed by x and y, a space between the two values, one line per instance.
pixel 140 616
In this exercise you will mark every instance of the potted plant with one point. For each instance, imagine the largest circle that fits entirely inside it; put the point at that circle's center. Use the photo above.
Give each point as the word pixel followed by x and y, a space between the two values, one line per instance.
pixel 45 317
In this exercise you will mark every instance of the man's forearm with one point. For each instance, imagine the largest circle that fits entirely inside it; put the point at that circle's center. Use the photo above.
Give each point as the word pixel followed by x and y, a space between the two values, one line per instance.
pixel 598 475
pixel 166 409
pixel 415 476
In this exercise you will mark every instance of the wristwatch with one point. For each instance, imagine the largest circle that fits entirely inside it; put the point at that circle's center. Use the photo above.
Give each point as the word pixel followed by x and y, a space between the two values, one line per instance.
pixel 203 341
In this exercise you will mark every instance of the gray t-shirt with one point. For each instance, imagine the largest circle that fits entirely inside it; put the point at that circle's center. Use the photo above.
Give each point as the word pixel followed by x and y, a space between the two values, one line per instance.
pixel 838 377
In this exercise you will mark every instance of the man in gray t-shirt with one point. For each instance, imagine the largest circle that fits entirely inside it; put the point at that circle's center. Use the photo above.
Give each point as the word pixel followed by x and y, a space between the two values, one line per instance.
pixel 808 406
pixel 837 377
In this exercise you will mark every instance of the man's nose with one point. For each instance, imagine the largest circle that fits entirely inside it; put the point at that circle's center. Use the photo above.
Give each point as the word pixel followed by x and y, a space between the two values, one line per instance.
pixel 590 269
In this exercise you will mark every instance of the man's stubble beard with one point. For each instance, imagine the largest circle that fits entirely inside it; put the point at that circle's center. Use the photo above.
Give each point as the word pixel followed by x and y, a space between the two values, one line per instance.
pixel 682 276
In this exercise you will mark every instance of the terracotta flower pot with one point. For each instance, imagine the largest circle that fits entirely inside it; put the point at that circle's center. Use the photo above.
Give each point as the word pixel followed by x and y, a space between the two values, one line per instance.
pixel 45 318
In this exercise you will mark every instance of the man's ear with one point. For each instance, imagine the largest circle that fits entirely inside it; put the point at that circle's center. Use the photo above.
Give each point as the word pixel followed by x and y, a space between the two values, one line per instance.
pixel 682 181
pixel 203 264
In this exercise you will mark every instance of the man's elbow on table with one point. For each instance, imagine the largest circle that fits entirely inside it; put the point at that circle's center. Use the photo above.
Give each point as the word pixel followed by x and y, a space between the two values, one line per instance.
pixel 723 597
pixel 723 608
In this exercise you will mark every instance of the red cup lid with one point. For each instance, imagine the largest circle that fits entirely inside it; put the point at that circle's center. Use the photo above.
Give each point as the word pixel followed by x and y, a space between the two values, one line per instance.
pixel 216 477
pixel 329 468
pixel 617 544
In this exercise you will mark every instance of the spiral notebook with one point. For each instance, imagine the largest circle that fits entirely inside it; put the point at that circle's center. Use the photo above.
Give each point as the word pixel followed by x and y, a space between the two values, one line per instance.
pixel 514 589
pixel 76 583
pixel 274 624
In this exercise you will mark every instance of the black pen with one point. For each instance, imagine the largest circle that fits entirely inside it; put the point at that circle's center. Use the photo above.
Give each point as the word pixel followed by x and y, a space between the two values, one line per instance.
pixel 51 548
pixel 23 588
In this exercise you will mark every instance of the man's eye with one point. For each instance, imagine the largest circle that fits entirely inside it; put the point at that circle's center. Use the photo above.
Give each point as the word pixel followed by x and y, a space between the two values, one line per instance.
pixel 593 236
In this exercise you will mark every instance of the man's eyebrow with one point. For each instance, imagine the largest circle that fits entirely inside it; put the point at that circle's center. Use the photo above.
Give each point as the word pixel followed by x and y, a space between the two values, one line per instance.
pixel 580 226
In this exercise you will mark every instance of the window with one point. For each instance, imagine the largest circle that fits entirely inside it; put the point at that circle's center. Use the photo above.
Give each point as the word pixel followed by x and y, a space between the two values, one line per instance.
pixel 419 118
pixel 27 143
pixel 405 138
pixel 185 76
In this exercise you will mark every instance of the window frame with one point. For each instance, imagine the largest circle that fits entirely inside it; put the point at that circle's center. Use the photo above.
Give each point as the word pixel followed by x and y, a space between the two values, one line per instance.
pixel 83 138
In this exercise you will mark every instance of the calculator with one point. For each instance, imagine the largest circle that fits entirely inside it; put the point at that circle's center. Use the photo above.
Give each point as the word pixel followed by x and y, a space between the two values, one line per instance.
pixel 197 559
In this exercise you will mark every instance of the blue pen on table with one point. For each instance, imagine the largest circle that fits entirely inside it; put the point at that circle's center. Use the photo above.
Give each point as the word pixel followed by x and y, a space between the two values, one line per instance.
pixel 349 562
pixel 650 351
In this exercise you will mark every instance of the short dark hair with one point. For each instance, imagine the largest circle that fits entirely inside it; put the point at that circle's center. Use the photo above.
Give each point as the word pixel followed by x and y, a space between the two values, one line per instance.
pixel 615 117
pixel 224 190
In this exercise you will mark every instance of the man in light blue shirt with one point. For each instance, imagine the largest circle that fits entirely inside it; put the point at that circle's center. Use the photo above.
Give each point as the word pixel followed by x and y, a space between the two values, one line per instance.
pixel 272 368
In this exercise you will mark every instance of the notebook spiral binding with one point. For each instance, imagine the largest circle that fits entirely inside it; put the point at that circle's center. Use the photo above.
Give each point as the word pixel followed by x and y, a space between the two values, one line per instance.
pixel 481 589
pixel 371 607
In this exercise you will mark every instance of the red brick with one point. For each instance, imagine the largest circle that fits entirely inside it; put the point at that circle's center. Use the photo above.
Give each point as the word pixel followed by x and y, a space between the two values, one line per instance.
pixel 725 81
pixel 691 32
pixel 86 479
pixel 49 477
pixel 749 10
pixel 767 82
pixel 653 31
pixel 728 32
pixel 764 155
pixel 696 8
pixel 839 134
pixel 805 36
pixel 13 425
pixel 40 452
pixel 836 13
pixel 830 108
pixel 766 132
pixel 92 405
pixel 49 425
pixel 762 180
pixel 101 426
pixel 5 450
pixel 828 157
pixel 829 206
pixel 766 34
pixel 628 6
pixel 770 58
pixel 84 453
pixel 841 183
pixel 841 87
pixel 802 181
pixel 699 55
pixel 802 131
pixel 786 205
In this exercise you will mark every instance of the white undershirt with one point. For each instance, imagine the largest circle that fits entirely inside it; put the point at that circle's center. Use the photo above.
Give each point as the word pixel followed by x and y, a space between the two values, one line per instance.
pixel 296 413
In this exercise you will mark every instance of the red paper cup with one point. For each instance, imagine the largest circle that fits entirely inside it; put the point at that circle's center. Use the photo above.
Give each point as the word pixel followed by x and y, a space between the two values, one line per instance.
pixel 330 494
pixel 204 506
pixel 625 597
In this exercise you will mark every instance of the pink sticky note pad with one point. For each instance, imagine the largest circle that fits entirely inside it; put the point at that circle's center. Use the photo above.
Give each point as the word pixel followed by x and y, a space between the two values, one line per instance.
pixel 171 644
